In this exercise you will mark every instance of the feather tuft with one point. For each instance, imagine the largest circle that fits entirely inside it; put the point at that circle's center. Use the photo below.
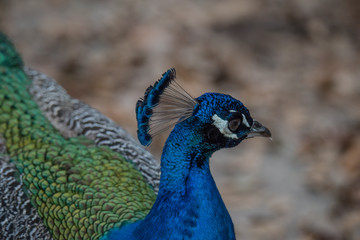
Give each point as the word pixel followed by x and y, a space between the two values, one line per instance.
pixel 165 104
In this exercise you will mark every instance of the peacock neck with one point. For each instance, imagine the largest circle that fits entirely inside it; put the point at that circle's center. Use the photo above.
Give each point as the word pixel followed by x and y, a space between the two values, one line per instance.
pixel 189 205
pixel 181 160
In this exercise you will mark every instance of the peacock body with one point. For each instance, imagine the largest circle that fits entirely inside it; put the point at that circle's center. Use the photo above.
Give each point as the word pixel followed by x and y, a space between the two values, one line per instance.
pixel 68 172
pixel 79 190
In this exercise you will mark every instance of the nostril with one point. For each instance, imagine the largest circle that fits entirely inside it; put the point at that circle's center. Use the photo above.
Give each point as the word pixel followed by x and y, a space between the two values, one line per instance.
pixel 257 124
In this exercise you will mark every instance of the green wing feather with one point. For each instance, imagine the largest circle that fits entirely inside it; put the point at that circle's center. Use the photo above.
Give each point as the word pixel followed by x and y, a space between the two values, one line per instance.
pixel 80 190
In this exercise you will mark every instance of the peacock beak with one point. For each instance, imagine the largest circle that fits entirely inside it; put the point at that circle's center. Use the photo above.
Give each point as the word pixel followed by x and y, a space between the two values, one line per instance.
pixel 258 130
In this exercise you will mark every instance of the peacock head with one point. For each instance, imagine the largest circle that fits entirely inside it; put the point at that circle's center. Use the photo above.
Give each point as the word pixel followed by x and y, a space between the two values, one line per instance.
pixel 220 119
pixel 225 120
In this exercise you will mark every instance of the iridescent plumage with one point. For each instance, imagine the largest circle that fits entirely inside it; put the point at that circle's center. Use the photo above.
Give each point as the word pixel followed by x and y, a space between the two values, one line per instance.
pixel 68 172
pixel 73 184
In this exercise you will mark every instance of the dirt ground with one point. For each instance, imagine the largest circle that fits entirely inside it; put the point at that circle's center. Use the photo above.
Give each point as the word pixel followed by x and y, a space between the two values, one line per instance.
pixel 294 64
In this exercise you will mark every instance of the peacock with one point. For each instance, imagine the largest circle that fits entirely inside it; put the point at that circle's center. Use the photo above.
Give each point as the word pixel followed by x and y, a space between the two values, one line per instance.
pixel 69 172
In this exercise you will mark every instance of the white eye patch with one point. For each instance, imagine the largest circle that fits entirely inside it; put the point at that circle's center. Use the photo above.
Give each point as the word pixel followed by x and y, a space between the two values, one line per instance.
pixel 222 125
pixel 244 121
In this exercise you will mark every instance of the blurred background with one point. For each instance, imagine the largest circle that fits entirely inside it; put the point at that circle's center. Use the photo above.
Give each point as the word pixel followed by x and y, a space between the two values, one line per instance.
pixel 294 64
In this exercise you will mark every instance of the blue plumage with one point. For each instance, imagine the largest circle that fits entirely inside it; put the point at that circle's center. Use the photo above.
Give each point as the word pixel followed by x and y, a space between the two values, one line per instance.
pixel 189 205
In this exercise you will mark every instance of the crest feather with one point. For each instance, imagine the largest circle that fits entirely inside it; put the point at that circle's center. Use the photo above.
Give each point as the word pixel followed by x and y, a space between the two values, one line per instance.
pixel 165 104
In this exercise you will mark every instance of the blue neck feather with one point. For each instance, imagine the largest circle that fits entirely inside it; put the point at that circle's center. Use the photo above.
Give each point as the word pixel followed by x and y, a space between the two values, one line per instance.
pixel 188 205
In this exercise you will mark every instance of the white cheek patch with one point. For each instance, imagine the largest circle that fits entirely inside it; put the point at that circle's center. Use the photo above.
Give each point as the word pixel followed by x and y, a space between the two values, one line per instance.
pixel 222 125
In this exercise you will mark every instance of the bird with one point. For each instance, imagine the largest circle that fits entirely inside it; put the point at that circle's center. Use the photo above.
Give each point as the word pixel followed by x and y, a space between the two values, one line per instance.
pixel 69 172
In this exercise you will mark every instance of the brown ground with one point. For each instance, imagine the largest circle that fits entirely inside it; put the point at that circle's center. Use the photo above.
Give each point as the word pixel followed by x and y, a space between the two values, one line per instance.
pixel 294 63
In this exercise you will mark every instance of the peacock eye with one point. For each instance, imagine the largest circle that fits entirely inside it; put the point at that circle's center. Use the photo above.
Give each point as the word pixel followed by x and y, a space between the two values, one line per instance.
pixel 234 124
